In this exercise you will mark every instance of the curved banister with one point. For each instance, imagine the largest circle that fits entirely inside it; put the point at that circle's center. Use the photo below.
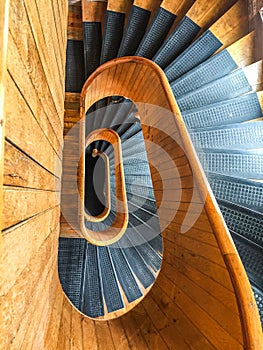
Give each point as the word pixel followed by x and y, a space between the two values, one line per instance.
pixel 144 82
pixel 119 225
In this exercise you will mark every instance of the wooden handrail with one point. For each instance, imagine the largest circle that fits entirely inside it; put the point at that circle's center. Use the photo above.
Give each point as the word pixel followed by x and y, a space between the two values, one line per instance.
pixel 102 216
pixel 119 225
pixel 211 252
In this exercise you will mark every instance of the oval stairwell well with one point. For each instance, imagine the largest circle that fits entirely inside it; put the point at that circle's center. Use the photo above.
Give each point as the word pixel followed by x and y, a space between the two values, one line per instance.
pixel 167 95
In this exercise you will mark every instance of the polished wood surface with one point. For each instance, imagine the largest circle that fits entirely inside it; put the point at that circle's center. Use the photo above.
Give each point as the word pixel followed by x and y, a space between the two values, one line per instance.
pixel 35 84
pixel 233 25
pixel 4 11
pixel 205 247
pixel 201 298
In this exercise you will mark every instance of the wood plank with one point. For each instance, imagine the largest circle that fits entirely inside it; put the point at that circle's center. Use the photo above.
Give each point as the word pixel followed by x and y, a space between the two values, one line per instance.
pixel 51 336
pixel 74 29
pixel 26 51
pixel 20 302
pixel 20 75
pixel 4 11
pixel 24 130
pixel 179 323
pixel 118 334
pixel 21 242
pixel 228 320
pixel 64 337
pixel 205 16
pixel 89 333
pixel 233 25
pixel 21 171
pixel 243 50
pixel 57 82
pixel 76 332
pixel 207 325
pixel 21 204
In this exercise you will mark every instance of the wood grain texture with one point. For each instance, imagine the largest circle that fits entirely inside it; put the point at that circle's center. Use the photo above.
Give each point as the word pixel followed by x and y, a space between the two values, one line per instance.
pixel 202 312
pixel 204 15
pixel 4 10
pixel 36 54
pixel 233 25
pixel 243 50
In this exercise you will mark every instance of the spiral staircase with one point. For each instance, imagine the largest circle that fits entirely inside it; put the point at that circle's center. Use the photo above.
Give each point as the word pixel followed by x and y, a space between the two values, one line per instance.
pixel 216 81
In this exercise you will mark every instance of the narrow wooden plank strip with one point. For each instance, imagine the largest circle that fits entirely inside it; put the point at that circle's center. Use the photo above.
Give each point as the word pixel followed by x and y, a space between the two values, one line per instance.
pixel 21 204
pixel 24 130
pixel 22 79
pixel 21 242
pixel 20 302
pixel 21 171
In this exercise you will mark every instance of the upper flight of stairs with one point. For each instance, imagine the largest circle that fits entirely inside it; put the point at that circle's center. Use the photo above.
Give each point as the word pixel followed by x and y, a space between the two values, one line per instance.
pixel 209 60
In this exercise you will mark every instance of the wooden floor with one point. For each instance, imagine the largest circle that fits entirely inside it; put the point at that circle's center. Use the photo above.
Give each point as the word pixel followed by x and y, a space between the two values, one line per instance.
pixel 201 298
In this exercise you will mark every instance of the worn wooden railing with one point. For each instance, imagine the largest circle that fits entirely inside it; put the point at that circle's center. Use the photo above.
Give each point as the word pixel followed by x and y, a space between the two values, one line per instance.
pixel 202 291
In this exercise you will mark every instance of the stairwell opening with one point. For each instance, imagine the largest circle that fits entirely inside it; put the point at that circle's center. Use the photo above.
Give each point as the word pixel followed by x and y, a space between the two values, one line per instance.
pixel 106 280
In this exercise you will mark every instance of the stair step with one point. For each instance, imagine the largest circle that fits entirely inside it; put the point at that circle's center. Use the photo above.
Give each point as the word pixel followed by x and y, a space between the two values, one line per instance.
pixel 242 136
pixel 236 110
pixel 252 259
pixel 134 31
pixel 150 255
pixel 125 275
pixel 114 23
pixel 139 267
pixel 196 53
pixel 156 33
pixel 227 87
pixel 214 68
pixel 75 72
pixel 92 40
pixel 110 285
pixel 259 300
pixel 177 42
pixel 245 222
pixel 92 303
pixel 71 262
pixel 247 164
pixel 242 192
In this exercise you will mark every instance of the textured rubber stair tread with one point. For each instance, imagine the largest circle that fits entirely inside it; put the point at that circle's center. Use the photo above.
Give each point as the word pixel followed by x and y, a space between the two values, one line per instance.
pixel 245 222
pixel 236 110
pixel 113 29
pixel 156 33
pixel 214 68
pixel 123 112
pixel 177 42
pixel 252 259
pixel 92 41
pixel 92 289
pixel 132 130
pixel 71 263
pixel 138 266
pixel 125 276
pixel 149 228
pixel 157 243
pixel 75 72
pixel 111 290
pixel 142 202
pixel 134 32
pixel 242 192
pixel 196 53
pixel 150 256
pixel 227 87
pixel 259 300
pixel 247 164
pixel 244 136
